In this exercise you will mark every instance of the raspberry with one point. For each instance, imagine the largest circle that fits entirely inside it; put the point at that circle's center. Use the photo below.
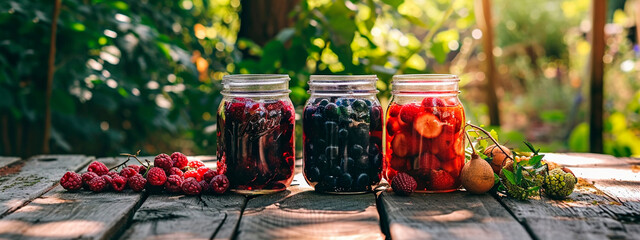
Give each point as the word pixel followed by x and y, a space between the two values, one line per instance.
pixel 205 186
pixel 163 161
pixel 202 170
pixel 394 110
pixel 433 102
pixel 174 183
pixel 175 171
pixel 107 180
pixel 441 180
pixel 97 184
pixel 179 160
pixel 137 182
pixel 71 181
pixel 409 112
pixel 207 176
pixel 156 176
pixel 86 177
pixel 403 184
pixel 135 167
pixel 98 168
pixel 118 183
pixel 222 166
pixel 142 170
pixel 195 164
pixel 220 184
pixel 190 186
pixel 128 172
pixel 113 174
pixel 192 174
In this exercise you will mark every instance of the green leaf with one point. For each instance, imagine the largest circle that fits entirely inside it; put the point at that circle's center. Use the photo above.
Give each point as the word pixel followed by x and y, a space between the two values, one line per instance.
pixel 535 160
pixel 509 176
pixel 518 174
pixel 438 51
pixel 62 102
pixel 341 22
pixel 494 134
pixel 393 3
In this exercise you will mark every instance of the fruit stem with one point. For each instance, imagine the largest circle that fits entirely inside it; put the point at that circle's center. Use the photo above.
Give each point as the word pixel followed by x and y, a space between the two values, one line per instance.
pixel 490 137
pixel 474 153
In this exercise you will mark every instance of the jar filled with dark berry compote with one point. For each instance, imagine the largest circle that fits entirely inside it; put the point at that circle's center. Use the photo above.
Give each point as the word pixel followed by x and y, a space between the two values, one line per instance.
pixel 425 131
pixel 256 133
pixel 342 134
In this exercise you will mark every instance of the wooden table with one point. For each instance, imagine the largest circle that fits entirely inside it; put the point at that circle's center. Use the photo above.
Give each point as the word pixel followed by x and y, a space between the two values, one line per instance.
pixel 606 205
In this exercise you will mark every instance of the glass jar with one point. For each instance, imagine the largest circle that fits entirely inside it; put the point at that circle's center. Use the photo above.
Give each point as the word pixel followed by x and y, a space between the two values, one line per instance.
pixel 342 134
pixel 425 131
pixel 256 133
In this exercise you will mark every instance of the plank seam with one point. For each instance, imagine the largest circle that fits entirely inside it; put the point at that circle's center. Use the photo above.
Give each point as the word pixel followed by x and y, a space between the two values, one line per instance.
pixel 384 219
pixel 129 222
pixel 234 236
pixel 54 185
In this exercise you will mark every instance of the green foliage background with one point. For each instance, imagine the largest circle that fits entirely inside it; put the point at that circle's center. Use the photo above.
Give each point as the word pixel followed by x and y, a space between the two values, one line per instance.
pixel 146 74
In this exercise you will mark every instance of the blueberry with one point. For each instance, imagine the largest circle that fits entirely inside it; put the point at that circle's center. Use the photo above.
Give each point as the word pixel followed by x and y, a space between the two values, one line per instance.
pixel 331 111
pixel 350 164
pixel 336 171
pixel 377 162
pixel 323 102
pixel 343 102
pixel 345 120
pixel 322 162
pixel 331 152
pixel 329 181
pixel 331 132
pixel 363 162
pixel 313 174
pixel 308 112
pixel 362 182
pixel 343 133
pixel 373 148
pixel 317 119
pixel 368 102
pixel 345 180
pixel 359 105
pixel 356 151
pixel 321 144
pixel 345 110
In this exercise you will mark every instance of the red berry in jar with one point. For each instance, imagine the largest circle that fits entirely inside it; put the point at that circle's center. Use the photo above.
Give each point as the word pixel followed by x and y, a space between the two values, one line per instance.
pixel 429 147
pixel 256 133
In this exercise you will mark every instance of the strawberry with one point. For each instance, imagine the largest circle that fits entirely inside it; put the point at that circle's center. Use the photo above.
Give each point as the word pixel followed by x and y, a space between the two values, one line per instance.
pixel 441 180
pixel 398 163
pixel 453 119
pixel 432 102
pixel 409 111
pixel 403 184
pixel 404 145
pixel 428 125
pixel 394 110
pixel 394 125
pixel 426 161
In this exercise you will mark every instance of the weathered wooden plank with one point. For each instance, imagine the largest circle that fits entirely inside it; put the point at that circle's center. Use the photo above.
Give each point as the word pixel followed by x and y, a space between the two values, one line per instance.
pixel 301 213
pixel 187 217
pixel 6 161
pixel 603 206
pixel 62 214
pixel 23 183
pixel 456 215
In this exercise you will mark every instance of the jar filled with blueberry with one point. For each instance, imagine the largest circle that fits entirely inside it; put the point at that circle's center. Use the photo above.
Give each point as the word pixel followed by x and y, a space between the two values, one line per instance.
pixel 342 134
pixel 255 132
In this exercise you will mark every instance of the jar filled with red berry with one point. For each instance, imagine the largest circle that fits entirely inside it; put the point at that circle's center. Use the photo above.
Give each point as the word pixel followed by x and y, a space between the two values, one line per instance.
pixel 256 133
pixel 425 131
pixel 342 134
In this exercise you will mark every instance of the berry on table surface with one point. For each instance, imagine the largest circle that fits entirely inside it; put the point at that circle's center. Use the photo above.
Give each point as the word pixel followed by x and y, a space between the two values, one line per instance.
pixel 128 172
pixel 174 183
pixel 192 174
pixel 113 174
pixel 156 176
pixel 98 168
pixel 137 182
pixel 107 180
pixel 163 161
pixel 97 184
pixel 86 177
pixel 205 186
pixel 220 184
pixel 195 164
pixel 179 160
pixel 191 186
pixel 403 184
pixel 71 181
pixel 118 183
pixel 209 174
pixel 175 171
pixel 202 170
pixel 559 184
